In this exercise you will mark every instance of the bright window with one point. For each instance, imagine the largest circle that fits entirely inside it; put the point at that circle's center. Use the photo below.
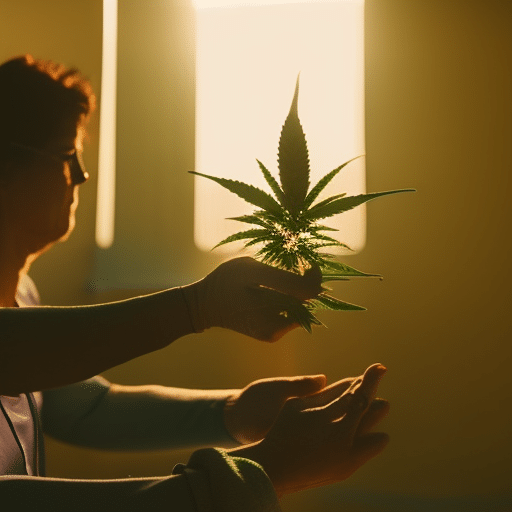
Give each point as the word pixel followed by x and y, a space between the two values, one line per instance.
pixel 248 58
pixel 107 148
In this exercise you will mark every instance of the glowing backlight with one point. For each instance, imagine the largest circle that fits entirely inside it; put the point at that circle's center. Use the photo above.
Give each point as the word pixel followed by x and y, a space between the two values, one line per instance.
pixel 105 205
pixel 248 59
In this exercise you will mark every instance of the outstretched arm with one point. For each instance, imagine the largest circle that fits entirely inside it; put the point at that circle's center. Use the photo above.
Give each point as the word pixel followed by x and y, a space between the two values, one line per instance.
pixel 47 347
pixel 316 439
pixel 99 414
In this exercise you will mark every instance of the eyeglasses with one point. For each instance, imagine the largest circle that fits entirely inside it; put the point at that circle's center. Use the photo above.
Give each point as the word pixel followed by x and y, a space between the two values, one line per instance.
pixel 76 164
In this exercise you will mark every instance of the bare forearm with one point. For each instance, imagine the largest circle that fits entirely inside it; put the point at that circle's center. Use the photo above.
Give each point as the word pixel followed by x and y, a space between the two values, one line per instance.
pixel 47 347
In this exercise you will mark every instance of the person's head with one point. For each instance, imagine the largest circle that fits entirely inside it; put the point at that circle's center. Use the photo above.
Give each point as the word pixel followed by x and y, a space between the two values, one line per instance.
pixel 43 111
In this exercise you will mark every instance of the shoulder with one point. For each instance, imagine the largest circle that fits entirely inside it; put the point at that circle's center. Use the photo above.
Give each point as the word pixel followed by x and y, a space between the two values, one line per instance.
pixel 27 294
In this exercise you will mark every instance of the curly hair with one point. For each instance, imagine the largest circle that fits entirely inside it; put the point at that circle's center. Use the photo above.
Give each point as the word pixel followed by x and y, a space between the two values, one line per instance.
pixel 37 97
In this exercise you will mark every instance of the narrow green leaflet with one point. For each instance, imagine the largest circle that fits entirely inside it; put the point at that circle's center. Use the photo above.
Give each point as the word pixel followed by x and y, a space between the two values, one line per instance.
pixel 242 235
pixel 251 219
pixel 335 268
pixel 326 238
pixel 272 183
pixel 325 301
pixel 251 194
pixel 346 203
pixel 293 160
pixel 326 278
pixel 319 227
pixel 322 204
pixel 313 193
pixel 267 237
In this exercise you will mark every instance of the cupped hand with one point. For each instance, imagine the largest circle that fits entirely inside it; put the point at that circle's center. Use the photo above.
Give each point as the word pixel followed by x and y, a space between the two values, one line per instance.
pixel 323 438
pixel 249 414
pixel 251 298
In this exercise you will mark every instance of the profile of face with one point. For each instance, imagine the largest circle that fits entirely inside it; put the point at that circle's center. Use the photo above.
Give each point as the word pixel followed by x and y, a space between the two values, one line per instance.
pixel 41 198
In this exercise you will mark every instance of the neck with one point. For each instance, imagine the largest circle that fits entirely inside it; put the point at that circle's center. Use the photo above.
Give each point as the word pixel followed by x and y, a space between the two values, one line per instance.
pixel 13 264
pixel 9 284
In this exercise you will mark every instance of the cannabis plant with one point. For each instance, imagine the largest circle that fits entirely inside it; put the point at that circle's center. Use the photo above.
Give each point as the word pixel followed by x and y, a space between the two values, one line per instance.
pixel 285 227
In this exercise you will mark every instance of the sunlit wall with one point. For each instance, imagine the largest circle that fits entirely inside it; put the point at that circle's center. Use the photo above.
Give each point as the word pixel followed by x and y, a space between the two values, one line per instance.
pixel 248 59
pixel 438 118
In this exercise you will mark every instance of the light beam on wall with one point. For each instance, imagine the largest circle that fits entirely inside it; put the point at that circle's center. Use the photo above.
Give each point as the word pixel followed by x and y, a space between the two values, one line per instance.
pixel 105 206
pixel 248 59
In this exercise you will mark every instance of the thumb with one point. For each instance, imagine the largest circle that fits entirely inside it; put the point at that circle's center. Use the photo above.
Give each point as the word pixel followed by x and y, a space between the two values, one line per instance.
pixel 306 385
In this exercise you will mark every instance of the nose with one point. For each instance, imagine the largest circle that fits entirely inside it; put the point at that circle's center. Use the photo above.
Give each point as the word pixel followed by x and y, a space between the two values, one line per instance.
pixel 78 173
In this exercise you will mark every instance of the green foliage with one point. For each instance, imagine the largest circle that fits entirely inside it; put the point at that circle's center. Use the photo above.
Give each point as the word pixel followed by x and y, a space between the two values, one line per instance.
pixel 287 231
pixel 293 160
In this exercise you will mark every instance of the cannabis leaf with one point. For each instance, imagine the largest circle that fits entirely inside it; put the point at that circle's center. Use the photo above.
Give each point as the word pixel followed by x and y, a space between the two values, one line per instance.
pixel 293 159
pixel 251 194
pixel 286 227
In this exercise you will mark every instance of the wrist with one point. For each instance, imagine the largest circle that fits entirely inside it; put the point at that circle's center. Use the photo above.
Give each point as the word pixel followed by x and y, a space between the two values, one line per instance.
pixel 167 312
pixel 193 300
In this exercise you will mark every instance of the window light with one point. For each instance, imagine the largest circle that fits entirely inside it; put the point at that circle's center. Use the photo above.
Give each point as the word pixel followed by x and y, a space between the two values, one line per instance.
pixel 105 205
pixel 249 54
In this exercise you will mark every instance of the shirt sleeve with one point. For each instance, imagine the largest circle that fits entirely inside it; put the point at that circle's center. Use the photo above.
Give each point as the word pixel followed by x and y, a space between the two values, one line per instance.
pixel 91 413
pixel 211 481
pixel 29 494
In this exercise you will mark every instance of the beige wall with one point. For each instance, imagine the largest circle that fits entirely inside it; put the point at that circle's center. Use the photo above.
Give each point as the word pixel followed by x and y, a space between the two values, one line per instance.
pixel 438 118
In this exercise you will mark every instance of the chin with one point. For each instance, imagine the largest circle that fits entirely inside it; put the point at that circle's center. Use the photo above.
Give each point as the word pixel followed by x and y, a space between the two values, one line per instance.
pixel 60 234
pixel 67 232
pixel 42 240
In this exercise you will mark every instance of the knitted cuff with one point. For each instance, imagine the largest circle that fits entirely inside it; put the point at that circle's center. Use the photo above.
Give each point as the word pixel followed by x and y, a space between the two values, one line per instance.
pixel 223 483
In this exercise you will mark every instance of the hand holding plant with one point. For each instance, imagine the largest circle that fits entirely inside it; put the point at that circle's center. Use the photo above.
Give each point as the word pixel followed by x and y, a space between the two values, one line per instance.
pixel 286 224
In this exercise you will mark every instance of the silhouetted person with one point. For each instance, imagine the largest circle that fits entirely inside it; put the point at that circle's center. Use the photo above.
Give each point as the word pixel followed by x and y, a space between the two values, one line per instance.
pixel 279 435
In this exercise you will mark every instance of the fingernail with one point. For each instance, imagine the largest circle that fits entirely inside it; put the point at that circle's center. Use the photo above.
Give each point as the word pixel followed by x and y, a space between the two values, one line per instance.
pixel 320 377
pixel 382 369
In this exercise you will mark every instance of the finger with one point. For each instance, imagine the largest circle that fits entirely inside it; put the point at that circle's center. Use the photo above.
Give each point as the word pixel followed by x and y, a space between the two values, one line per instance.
pixel 304 385
pixel 266 298
pixel 288 387
pixel 263 317
pixel 279 333
pixel 271 315
pixel 368 446
pixel 313 277
pixel 356 399
pixel 269 330
pixel 328 394
pixel 376 412
pixel 361 395
pixel 289 283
